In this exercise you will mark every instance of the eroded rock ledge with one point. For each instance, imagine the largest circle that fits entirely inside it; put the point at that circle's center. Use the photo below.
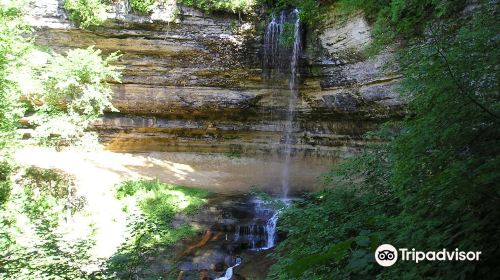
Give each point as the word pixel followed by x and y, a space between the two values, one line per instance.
pixel 194 82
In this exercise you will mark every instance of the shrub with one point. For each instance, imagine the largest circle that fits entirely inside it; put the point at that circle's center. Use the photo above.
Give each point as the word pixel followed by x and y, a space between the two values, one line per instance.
pixel 309 10
pixel 86 13
pixel 5 182
pixel 150 226
pixel 32 245
pixel 433 186
pixel 234 6
pixel 75 92
pixel 143 6
pixel 333 234
pixel 14 44
pixel 402 18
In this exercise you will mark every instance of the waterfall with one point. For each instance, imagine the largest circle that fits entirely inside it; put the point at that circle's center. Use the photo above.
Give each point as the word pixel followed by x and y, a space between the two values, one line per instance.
pixel 292 101
pixel 276 54
pixel 282 59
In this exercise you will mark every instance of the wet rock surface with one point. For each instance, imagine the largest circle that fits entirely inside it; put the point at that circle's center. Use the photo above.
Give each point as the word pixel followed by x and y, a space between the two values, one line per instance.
pixel 234 229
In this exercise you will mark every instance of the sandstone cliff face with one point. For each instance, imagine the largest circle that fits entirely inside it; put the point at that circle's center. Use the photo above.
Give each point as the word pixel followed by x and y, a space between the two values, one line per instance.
pixel 194 82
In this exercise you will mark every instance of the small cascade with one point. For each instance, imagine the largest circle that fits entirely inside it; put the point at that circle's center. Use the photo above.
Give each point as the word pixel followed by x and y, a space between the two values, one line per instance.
pixel 260 232
pixel 229 271
pixel 240 228
pixel 271 231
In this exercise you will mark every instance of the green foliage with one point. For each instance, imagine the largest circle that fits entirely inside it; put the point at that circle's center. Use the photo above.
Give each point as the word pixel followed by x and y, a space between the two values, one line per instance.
pixel 53 183
pixel 448 155
pixel 14 44
pixel 64 93
pixel 433 185
pixel 402 18
pixel 269 200
pixel 150 227
pixel 336 253
pixel 234 6
pixel 288 36
pixel 86 13
pixel 333 234
pixel 31 247
pixel 5 181
pixel 233 153
pixel 143 187
pixel 142 6
pixel 75 92
pixel 31 243
pixel 77 82
pixel 310 11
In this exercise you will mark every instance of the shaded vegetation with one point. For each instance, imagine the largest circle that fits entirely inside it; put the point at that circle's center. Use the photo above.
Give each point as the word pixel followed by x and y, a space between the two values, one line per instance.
pixel 151 206
pixel 33 229
pixel 333 234
pixel 310 11
pixel 392 20
pixel 5 181
pixel 433 185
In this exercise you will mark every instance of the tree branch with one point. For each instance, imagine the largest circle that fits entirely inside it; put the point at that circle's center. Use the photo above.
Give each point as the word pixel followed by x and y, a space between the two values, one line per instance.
pixel 457 83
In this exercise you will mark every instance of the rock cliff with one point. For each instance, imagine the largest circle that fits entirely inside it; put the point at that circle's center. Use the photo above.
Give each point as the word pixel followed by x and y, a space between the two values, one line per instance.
pixel 194 82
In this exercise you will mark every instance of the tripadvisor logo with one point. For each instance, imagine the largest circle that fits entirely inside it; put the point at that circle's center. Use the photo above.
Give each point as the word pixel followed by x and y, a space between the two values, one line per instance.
pixel 387 255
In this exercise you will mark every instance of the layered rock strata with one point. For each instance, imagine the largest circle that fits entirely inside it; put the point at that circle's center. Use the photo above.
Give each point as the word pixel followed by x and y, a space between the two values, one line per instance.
pixel 194 82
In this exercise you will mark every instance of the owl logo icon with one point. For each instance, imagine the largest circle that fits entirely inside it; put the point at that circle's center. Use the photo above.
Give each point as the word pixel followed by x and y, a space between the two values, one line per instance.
pixel 386 255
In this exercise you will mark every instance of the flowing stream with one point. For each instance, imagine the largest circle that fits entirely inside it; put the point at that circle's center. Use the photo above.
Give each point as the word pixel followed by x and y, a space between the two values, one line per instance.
pixel 229 271
pixel 239 232
pixel 260 233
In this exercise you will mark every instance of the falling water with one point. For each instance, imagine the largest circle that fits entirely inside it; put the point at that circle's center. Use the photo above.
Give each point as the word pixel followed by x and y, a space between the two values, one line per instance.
pixel 292 100
pixel 272 43
pixel 276 58
pixel 259 233
pixel 271 231
pixel 229 271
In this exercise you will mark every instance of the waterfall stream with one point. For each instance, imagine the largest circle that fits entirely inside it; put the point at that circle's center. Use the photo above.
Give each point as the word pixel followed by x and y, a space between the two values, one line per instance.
pixel 276 54
pixel 260 233
pixel 292 101
pixel 281 59
pixel 229 271
pixel 271 231
pixel 254 223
